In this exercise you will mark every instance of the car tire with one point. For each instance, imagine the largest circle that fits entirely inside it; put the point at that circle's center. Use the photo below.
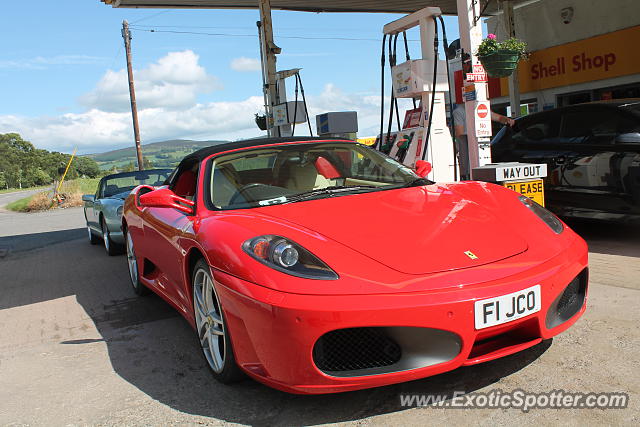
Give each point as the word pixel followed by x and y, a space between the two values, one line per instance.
pixel 111 247
pixel 211 330
pixel 93 239
pixel 132 262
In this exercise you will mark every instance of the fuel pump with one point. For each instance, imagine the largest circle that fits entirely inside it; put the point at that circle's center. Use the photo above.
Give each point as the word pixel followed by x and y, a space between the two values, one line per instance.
pixel 428 137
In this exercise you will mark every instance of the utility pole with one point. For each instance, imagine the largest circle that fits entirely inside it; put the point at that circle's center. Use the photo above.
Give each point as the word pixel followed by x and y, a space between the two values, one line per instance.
pixel 126 35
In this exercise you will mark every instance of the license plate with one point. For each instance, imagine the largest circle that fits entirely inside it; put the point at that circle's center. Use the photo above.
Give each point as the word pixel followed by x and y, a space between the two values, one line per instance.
pixel 506 308
pixel 533 189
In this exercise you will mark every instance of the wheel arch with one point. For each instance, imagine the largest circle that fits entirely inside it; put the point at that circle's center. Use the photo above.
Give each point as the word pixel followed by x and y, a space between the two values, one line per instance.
pixel 194 254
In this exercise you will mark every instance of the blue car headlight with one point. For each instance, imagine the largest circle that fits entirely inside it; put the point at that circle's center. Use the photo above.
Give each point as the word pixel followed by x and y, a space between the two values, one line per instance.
pixel 547 217
pixel 119 211
pixel 288 257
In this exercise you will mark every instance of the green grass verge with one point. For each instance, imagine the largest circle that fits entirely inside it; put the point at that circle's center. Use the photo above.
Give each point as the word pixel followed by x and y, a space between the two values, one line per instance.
pixel 19 205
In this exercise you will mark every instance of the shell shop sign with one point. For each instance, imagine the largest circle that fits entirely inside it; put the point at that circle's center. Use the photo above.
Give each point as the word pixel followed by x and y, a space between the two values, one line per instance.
pixel 582 62
pixel 596 58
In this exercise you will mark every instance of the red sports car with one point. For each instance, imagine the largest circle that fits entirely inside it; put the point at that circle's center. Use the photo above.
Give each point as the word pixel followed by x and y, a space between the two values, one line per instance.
pixel 318 266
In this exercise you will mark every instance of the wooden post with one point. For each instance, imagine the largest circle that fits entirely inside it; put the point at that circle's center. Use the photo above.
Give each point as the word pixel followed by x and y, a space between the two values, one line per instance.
pixel 126 35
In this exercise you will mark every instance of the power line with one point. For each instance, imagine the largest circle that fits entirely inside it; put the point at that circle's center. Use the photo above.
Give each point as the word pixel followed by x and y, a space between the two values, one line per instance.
pixel 194 32
pixel 150 16
pixel 153 30
pixel 217 27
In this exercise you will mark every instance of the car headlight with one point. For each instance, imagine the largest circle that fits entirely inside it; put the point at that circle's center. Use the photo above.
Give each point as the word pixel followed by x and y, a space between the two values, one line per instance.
pixel 119 211
pixel 550 219
pixel 288 257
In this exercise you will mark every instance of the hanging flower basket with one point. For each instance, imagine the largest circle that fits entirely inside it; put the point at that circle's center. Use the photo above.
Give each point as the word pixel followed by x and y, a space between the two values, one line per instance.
pixel 500 63
pixel 500 59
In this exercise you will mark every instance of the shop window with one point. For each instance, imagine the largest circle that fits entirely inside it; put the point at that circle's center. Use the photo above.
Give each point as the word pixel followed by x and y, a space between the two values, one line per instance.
pixel 573 98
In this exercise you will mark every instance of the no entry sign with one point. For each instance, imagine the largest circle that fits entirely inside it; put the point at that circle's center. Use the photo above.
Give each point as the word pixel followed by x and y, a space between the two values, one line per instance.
pixel 482 111
pixel 483 120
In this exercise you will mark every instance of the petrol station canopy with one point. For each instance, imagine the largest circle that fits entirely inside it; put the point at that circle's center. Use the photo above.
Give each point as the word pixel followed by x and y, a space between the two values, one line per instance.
pixel 448 7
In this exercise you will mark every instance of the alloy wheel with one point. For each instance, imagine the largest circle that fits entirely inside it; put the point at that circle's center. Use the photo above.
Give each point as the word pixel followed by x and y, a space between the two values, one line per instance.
pixel 132 262
pixel 209 320
pixel 106 237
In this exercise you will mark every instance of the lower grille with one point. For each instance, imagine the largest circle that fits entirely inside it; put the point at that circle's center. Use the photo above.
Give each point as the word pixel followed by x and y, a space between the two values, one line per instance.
pixel 569 297
pixel 355 348
pixel 569 302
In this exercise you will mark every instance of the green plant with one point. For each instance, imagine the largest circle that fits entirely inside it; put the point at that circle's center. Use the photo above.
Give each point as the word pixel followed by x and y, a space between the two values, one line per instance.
pixel 490 45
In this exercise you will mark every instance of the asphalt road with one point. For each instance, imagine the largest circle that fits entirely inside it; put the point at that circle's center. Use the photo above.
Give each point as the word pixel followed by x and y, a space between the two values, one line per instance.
pixel 21 232
pixel 6 198
pixel 78 347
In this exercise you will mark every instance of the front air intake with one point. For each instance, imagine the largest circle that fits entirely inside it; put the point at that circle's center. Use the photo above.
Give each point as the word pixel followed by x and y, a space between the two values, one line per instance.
pixel 569 302
pixel 364 351
pixel 355 348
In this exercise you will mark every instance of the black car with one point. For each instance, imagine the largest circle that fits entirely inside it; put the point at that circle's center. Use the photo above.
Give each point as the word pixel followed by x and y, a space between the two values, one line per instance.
pixel 592 152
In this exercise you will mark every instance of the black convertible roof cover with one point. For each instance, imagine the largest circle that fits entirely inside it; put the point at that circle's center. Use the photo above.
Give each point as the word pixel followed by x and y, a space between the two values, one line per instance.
pixel 255 142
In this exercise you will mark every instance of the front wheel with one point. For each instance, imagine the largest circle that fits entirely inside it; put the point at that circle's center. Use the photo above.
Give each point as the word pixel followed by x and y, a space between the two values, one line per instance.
pixel 211 328
pixel 93 239
pixel 132 262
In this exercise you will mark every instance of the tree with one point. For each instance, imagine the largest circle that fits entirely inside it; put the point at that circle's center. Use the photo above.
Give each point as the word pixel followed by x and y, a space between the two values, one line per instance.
pixel 86 166
pixel 36 176
pixel 21 164
pixel 16 142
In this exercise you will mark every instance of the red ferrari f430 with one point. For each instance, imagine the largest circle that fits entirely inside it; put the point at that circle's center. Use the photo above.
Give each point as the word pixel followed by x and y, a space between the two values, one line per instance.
pixel 318 266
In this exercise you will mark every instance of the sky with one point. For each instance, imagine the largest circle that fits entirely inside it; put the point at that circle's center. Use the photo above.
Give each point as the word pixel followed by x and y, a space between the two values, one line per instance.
pixel 63 81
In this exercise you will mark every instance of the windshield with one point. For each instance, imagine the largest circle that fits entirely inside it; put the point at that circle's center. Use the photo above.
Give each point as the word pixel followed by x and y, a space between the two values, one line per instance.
pixel 122 184
pixel 297 172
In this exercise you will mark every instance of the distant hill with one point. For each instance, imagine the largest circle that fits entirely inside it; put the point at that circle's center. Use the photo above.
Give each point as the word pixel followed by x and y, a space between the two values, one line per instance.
pixel 162 154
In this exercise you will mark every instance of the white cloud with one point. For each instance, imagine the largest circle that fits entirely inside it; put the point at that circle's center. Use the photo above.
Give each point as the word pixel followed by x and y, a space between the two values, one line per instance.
pixel 333 98
pixel 95 130
pixel 167 92
pixel 244 64
pixel 174 81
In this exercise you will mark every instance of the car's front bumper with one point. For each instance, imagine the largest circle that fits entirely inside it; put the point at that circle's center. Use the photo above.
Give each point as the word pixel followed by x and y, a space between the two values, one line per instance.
pixel 274 333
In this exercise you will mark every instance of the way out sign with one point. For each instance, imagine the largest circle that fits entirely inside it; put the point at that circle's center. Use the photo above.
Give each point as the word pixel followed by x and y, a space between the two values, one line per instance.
pixel 525 179
pixel 483 119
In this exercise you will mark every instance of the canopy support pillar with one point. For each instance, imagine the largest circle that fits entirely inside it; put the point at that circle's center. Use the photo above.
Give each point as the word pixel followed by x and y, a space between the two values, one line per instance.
pixel 514 80
pixel 268 58
pixel 470 27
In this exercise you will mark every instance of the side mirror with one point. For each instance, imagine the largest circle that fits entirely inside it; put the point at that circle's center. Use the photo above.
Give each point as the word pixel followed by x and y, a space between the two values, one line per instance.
pixel 88 198
pixel 628 138
pixel 165 198
pixel 423 168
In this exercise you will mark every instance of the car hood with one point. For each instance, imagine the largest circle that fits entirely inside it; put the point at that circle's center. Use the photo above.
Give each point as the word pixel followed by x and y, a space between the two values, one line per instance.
pixel 418 230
